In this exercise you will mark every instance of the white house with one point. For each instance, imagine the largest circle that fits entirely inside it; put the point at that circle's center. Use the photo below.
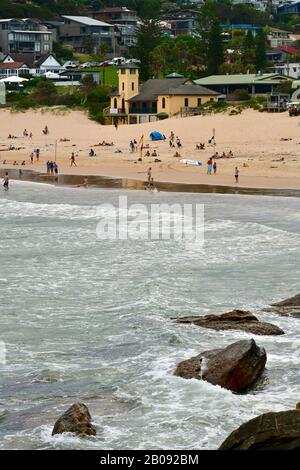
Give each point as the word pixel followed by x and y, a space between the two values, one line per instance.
pixel 288 69
pixel 46 63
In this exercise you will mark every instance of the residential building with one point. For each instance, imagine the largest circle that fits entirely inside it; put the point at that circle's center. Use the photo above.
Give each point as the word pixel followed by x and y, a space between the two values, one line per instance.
pixel 124 19
pixel 289 8
pixel 263 5
pixel 255 84
pixel 133 104
pixel 78 30
pixel 232 28
pixel 289 69
pixel 182 21
pixel 46 63
pixel 14 68
pixel 24 35
pixel 279 37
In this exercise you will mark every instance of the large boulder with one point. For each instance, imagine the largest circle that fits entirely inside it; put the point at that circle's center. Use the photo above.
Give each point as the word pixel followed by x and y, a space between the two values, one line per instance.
pixel 270 431
pixel 76 419
pixel 234 320
pixel 236 367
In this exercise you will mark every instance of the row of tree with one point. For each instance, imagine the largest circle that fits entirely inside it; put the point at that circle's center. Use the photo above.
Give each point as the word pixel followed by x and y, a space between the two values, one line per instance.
pixel 201 54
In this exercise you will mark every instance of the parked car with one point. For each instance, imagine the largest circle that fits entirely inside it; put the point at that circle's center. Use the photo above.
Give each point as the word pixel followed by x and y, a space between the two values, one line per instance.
pixel 294 108
pixel 118 61
pixel 88 65
pixel 133 61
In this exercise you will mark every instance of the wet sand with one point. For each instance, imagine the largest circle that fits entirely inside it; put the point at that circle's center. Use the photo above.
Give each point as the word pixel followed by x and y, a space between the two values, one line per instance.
pixel 125 183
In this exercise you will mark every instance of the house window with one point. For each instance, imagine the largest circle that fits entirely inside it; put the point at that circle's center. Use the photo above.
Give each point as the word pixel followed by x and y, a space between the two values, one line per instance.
pixel 132 71
pixel 186 102
pixel 46 47
pixel 115 103
pixel 199 101
pixel 163 103
pixel 123 86
pixel 46 37
pixel 123 71
pixel 132 86
pixel 82 30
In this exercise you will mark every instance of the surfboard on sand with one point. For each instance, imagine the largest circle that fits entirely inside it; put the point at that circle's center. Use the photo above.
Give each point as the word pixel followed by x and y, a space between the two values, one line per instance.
pixel 191 162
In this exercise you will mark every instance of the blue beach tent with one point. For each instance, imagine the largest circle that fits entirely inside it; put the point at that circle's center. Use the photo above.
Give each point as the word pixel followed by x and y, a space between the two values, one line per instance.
pixel 156 136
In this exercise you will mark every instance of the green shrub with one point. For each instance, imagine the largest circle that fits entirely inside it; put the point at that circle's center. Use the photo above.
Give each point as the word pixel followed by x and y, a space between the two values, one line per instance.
pixel 242 94
pixel 162 116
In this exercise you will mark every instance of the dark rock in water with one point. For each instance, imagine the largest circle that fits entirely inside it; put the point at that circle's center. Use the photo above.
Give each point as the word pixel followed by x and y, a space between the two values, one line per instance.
pixel 286 308
pixel 234 320
pixel 76 419
pixel 236 367
pixel 291 302
pixel 270 431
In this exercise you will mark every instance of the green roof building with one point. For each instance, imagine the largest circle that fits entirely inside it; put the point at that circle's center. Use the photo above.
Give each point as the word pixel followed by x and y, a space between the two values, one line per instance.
pixel 255 84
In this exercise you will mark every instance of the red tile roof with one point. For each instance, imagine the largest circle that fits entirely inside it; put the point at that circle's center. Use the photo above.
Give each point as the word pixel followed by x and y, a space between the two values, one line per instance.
pixel 288 49
pixel 11 65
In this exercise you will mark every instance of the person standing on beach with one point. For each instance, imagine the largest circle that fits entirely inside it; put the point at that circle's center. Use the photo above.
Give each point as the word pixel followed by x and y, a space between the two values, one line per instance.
pixel 236 174
pixel 149 173
pixel 85 182
pixel 215 167
pixel 37 152
pixel 209 166
pixel 31 157
pixel 55 167
pixel 73 159
pixel 6 181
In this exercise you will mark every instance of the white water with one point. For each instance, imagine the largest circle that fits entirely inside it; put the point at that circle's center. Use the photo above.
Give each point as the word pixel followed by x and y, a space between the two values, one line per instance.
pixel 89 320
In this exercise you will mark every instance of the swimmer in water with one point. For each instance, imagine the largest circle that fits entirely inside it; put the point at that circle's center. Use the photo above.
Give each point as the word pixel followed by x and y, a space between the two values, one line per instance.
pixel 6 182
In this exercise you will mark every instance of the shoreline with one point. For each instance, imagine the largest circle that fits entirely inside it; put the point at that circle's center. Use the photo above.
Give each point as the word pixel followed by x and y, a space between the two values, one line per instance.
pixel 110 182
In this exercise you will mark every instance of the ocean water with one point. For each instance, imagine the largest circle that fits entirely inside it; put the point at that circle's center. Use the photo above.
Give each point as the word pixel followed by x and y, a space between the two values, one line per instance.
pixel 90 320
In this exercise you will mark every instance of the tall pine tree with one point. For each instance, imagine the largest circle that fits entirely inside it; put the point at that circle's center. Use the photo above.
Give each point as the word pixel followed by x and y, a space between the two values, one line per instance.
pixel 215 53
pixel 248 49
pixel 260 51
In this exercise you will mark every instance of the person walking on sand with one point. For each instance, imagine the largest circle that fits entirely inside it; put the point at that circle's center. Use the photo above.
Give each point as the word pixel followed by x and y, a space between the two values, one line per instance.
pixel 149 174
pixel 31 157
pixel 37 153
pixel 73 159
pixel 6 181
pixel 209 166
pixel 215 167
pixel 236 174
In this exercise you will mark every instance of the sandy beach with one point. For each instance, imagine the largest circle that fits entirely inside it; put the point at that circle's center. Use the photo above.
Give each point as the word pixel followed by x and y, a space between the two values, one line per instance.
pixel 256 140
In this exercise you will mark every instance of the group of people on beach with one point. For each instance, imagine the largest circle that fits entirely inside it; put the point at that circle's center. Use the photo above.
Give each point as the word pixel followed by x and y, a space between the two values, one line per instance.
pixel 27 134
pixel 52 168
pixel 172 141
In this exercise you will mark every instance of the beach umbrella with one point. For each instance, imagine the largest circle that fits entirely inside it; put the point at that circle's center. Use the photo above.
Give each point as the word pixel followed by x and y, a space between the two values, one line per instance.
pixel 14 79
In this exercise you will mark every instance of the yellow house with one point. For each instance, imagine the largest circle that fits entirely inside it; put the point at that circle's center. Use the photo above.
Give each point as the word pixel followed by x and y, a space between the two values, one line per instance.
pixel 156 98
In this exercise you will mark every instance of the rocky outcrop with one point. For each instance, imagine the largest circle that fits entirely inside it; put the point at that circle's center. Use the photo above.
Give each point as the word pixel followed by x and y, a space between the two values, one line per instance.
pixel 270 431
pixel 236 367
pixel 287 308
pixel 76 419
pixel 234 320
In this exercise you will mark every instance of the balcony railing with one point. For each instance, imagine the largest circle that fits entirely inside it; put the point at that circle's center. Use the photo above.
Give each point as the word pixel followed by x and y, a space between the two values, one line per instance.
pixel 143 110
